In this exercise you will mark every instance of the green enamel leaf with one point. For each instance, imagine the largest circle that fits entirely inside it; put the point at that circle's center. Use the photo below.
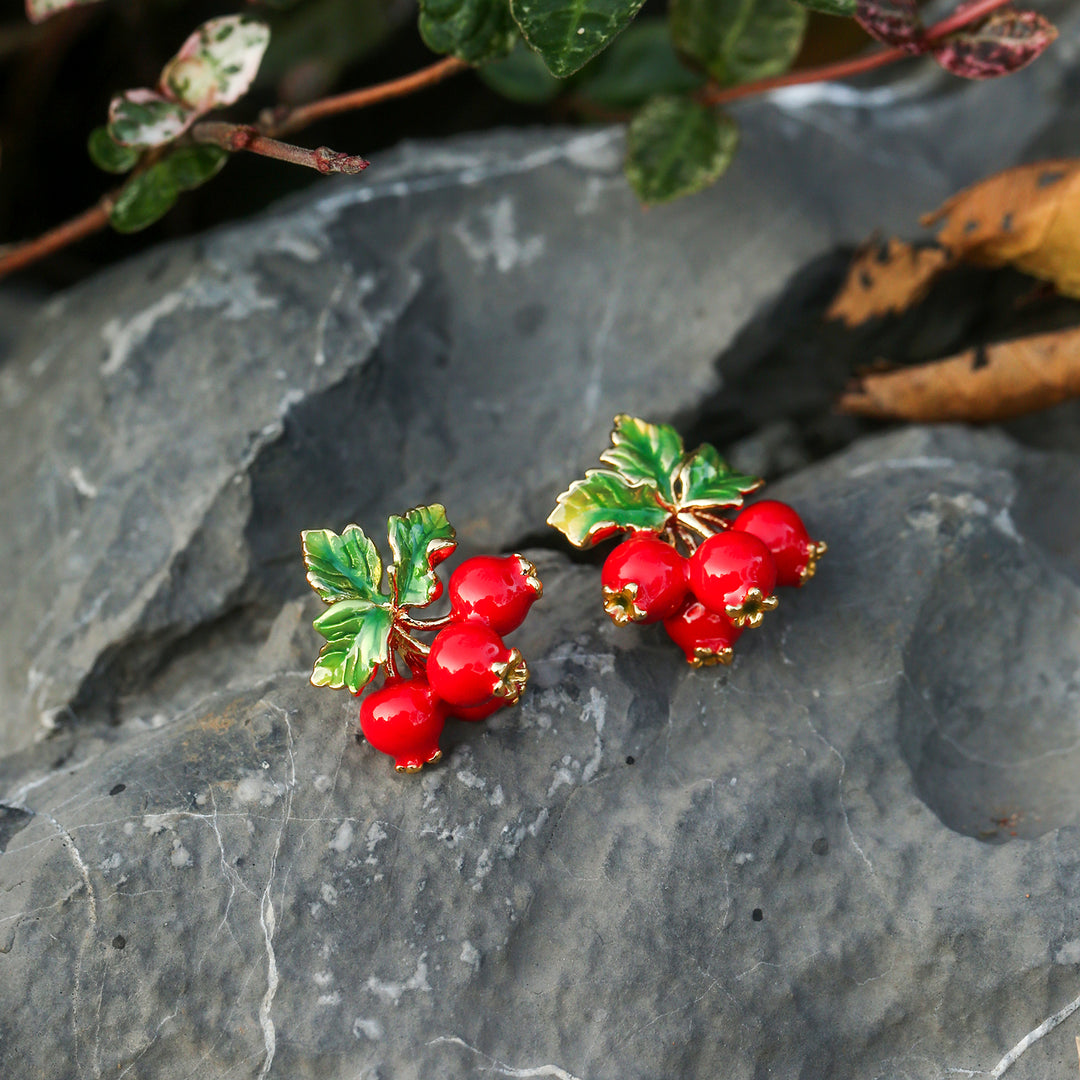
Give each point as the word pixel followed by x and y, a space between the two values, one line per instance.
pixel 345 567
pixel 568 33
pixel 675 147
pixel 358 641
pixel 738 40
pixel 640 64
pixel 831 7
pixel 420 539
pixel 592 509
pixel 191 166
pixel 106 153
pixel 705 480
pixel 471 30
pixel 521 77
pixel 143 199
pixel 644 453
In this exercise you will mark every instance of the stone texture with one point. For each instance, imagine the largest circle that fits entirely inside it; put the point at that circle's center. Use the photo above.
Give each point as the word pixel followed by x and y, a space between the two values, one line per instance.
pixel 853 854
pixel 461 325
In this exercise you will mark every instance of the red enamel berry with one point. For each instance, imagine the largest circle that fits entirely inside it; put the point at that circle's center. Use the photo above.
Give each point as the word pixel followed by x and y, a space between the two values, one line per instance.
pixel 495 591
pixel 404 719
pixel 469 664
pixel 733 574
pixel 644 580
pixel 704 637
pixel 478 712
pixel 782 531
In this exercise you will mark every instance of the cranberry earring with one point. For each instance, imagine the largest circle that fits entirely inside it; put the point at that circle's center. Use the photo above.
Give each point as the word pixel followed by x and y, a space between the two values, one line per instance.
pixel 465 671
pixel 684 563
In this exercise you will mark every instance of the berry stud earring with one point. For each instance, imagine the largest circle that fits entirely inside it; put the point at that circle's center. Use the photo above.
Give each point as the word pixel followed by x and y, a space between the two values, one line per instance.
pixel 465 669
pixel 683 562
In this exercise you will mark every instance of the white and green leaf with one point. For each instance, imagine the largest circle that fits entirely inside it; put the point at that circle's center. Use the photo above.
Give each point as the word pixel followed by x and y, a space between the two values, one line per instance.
pixel 644 453
pixel 420 539
pixel 217 64
pixel 143 118
pixel 604 503
pixel 345 567
pixel 358 641
pixel 39 10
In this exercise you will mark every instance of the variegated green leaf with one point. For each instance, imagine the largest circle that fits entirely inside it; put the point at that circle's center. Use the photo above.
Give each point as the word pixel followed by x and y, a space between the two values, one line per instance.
pixel 644 452
pixel 705 480
pixel 738 40
pixel 39 10
pixel 358 641
pixel 142 118
pixel 217 64
pixel 569 33
pixel 345 567
pixel 420 539
pixel 602 504
pixel 471 30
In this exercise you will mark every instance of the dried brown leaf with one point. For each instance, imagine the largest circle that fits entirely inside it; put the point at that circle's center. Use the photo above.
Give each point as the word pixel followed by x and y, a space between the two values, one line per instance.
pixel 886 278
pixel 979 385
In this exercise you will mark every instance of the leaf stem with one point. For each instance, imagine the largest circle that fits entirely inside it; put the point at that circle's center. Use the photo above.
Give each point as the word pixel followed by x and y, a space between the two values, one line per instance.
pixel 235 137
pixel 845 69
pixel 285 121
pixel 423 625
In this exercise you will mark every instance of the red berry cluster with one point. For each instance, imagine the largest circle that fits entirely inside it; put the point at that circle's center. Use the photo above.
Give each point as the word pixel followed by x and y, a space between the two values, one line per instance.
pixel 684 563
pixel 726 584
pixel 466 670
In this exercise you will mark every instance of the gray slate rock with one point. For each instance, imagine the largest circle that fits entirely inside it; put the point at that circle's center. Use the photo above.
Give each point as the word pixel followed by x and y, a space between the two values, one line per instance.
pixel 461 326
pixel 853 854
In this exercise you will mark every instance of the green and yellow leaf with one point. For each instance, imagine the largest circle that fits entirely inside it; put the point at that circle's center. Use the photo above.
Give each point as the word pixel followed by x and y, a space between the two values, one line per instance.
pixel 705 480
pixel 644 453
pixel 420 539
pixel 358 641
pixel 604 503
pixel 345 567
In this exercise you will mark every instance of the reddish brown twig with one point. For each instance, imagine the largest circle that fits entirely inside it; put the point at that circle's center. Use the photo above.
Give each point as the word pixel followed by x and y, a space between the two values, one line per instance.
pixel 247 137
pixel 16 256
pixel 845 69
pixel 284 122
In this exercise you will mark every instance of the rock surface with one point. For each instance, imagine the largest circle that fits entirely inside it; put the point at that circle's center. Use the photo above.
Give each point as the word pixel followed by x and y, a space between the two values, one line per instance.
pixel 461 326
pixel 854 854
pixel 846 856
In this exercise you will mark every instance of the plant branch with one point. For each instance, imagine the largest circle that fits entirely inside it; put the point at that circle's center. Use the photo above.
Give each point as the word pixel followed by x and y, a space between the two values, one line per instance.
pixel 235 137
pixel 845 69
pixel 285 121
pixel 16 256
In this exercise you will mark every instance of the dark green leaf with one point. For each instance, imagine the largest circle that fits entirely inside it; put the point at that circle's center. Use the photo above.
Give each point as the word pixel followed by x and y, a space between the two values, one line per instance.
pixel 640 64
pixel 521 77
pixel 358 641
pixel 602 504
pixel 568 33
pixel 675 147
pixel 471 30
pixel 106 153
pixel 738 40
pixel 705 480
pixel 420 539
pixel 644 453
pixel 191 166
pixel 831 7
pixel 143 199
pixel 345 567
